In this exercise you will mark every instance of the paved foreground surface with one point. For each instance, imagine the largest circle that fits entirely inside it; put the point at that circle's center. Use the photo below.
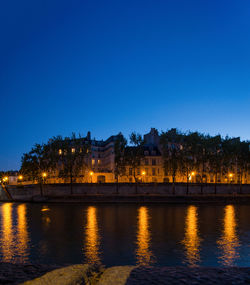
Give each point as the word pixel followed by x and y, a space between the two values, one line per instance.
pixel 119 275
pixel 175 275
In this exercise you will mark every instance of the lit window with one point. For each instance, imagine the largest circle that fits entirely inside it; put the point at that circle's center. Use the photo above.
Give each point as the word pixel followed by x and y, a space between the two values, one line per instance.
pixel 99 161
pixel 73 150
pixel 93 162
pixel 60 151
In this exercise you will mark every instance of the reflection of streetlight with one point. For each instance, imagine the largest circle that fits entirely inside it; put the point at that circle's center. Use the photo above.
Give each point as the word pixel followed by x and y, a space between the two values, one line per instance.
pixel 192 238
pixel 91 173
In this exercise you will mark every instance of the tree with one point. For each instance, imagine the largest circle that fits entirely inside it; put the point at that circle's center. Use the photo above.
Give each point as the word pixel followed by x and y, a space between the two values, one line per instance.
pixel 70 155
pixel 35 165
pixel 201 157
pixel 120 162
pixel 171 151
pixel 188 159
pixel 134 154
pixel 215 156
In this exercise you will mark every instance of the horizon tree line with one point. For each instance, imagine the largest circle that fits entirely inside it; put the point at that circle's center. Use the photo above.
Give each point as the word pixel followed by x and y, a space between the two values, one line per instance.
pixel 182 153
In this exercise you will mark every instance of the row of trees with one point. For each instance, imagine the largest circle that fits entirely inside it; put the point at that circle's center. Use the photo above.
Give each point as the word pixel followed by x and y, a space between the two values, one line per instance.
pixel 198 153
pixel 63 157
pixel 182 154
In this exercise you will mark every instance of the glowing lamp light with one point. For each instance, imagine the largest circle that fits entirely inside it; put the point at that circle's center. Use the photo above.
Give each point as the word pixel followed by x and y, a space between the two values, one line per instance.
pixel 45 209
pixel 5 178
pixel 91 173
pixel 193 173
pixel 20 177
pixel 230 174
pixel 44 174
pixel 143 173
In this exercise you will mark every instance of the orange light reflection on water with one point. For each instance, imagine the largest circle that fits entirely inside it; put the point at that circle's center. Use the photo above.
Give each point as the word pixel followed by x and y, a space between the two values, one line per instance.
pixel 192 239
pixel 22 233
pixel 144 255
pixel 92 242
pixel 7 237
pixel 14 233
pixel 229 242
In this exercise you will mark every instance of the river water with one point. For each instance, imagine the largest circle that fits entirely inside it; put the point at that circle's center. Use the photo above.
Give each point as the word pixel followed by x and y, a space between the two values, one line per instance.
pixel 125 234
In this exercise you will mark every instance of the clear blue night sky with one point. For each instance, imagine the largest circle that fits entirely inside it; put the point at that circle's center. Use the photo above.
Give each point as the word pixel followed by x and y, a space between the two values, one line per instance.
pixel 110 66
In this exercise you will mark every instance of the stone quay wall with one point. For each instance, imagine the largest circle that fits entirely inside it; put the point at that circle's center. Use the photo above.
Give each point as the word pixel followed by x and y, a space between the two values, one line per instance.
pixel 29 192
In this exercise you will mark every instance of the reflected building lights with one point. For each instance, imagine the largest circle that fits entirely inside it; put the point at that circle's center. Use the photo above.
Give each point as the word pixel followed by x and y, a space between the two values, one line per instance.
pixel 192 239
pixel 7 237
pixel 229 242
pixel 92 243
pixel 143 254
pixel 14 234
pixel 22 233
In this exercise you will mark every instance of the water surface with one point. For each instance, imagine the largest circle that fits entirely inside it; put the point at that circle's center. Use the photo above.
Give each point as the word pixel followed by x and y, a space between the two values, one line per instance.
pixel 163 235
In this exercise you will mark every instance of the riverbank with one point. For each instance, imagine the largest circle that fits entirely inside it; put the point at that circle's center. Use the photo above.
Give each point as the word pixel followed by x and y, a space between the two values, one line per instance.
pixel 128 192
pixel 119 275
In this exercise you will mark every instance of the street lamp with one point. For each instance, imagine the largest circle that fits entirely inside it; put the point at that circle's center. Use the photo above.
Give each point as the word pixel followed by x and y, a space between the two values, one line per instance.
pixel 231 176
pixel 5 179
pixel 91 173
pixel 143 174
pixel 44 175
pixel 20 178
